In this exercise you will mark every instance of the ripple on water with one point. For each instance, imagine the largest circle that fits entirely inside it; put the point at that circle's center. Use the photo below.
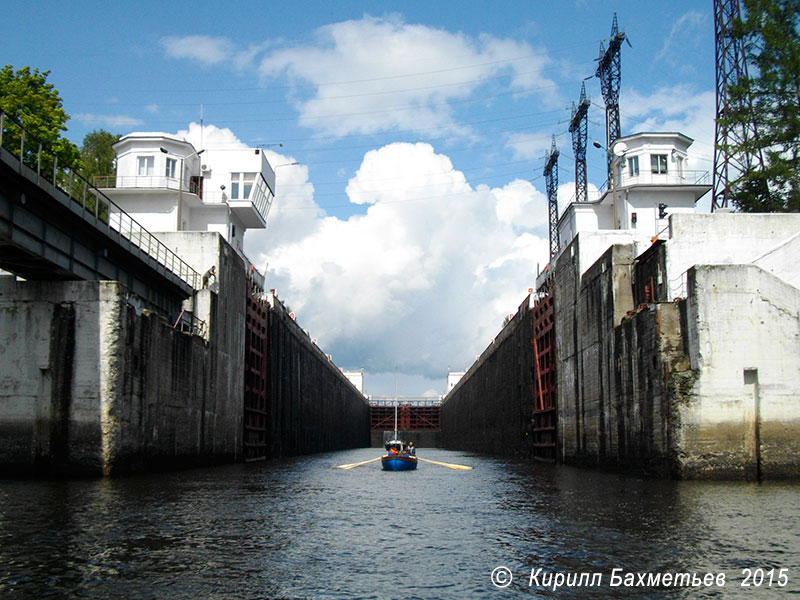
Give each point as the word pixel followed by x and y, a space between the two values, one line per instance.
pixel 299 528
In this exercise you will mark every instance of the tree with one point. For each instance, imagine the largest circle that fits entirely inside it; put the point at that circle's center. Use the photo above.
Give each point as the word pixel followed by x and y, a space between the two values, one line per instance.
pixel 97 154
pixel 26 96
pixel 770 97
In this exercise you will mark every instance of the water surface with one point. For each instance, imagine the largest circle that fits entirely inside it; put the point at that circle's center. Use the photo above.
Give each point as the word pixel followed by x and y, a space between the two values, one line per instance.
pixel 299 528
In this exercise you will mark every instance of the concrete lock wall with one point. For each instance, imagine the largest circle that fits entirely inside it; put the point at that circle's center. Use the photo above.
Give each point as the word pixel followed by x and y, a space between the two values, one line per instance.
pixel 701 387
pixel 586 310
pixel 178 398
pixel 313 406
pixel 652 376
pixel 90 386
pixel 770 240
pixel 167 407
pixel 490 410
pixel 49 366
pixel 620 371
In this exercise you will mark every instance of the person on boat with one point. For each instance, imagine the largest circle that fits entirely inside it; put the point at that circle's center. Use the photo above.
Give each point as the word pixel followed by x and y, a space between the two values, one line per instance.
pixel 411 449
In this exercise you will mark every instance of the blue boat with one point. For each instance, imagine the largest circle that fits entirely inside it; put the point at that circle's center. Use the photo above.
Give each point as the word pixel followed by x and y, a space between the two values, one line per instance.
pixel 399 457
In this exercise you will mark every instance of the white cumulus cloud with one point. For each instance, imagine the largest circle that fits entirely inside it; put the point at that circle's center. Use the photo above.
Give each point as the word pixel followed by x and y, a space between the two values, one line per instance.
pixel 380 74
pixel 211 137
pixel 115 121
pixel 678 108
pixel 423 280
pixel 200 48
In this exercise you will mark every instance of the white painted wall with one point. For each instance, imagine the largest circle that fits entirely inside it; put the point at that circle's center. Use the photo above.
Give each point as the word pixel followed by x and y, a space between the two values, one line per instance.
pixel 731 238
pixel 356 378
pixel 222 162
pixel 155 211
pixel 205 205
pixel 640 193
pixel 134 145
pixel 453 377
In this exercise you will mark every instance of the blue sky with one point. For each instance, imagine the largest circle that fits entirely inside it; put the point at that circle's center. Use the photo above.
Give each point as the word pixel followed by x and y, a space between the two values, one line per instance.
pixel 416 218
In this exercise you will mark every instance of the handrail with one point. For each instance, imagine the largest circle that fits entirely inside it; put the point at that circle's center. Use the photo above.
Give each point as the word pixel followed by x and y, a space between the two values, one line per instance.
pixel 685 177
pixel 145 182
pixel 404 401
pixel 44 162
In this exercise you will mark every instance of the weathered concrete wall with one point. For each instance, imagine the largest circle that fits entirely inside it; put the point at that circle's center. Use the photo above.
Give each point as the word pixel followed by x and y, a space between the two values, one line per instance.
pixel 49 384
pixel 178 399
pixel 89 386
pixel 167 405
pixel 313 406
pixel 490 410
pixel 586 310
pixel 617 368
pixel 704 387
pixel 652 377
pixel 742 419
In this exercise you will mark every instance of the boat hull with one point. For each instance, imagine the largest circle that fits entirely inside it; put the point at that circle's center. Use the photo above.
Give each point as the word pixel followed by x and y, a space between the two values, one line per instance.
pixel 399 463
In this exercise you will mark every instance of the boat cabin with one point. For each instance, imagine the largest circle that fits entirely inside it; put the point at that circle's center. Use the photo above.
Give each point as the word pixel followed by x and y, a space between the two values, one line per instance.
pixel 395 445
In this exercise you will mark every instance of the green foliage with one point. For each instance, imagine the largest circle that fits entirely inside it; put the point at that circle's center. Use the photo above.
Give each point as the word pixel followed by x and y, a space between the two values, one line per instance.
pixel 97 155
pixel 770 98
pixel 26 96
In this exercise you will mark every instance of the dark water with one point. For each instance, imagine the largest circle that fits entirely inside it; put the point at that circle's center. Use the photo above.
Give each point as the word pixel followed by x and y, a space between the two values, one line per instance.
pixel 299 528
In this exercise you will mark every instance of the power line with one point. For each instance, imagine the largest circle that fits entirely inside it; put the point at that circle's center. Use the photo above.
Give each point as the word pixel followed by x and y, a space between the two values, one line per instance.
pixel 470 191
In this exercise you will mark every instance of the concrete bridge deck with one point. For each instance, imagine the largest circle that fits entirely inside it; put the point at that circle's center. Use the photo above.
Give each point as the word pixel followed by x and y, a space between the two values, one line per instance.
pixel 55 226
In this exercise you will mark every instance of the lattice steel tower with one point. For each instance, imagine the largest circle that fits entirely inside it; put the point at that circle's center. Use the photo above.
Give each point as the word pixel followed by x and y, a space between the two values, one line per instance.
pixel 609 72
pixel 551 182
pixel 578 129
pixel 731 67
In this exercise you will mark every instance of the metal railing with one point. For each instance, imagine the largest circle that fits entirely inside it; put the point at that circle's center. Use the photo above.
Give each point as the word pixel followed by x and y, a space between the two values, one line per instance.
pixel 33 154
pixel 401 401
pixel 188 322
pixel 649 178
pixel 145 182
pixel 670 178
pixel 261 202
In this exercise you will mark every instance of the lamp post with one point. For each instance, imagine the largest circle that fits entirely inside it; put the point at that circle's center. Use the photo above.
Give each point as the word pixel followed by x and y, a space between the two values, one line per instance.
pixel 180 184
pixel 619 149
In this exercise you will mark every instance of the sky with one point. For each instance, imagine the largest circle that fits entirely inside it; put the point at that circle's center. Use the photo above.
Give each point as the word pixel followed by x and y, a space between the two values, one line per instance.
pixel 415 219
